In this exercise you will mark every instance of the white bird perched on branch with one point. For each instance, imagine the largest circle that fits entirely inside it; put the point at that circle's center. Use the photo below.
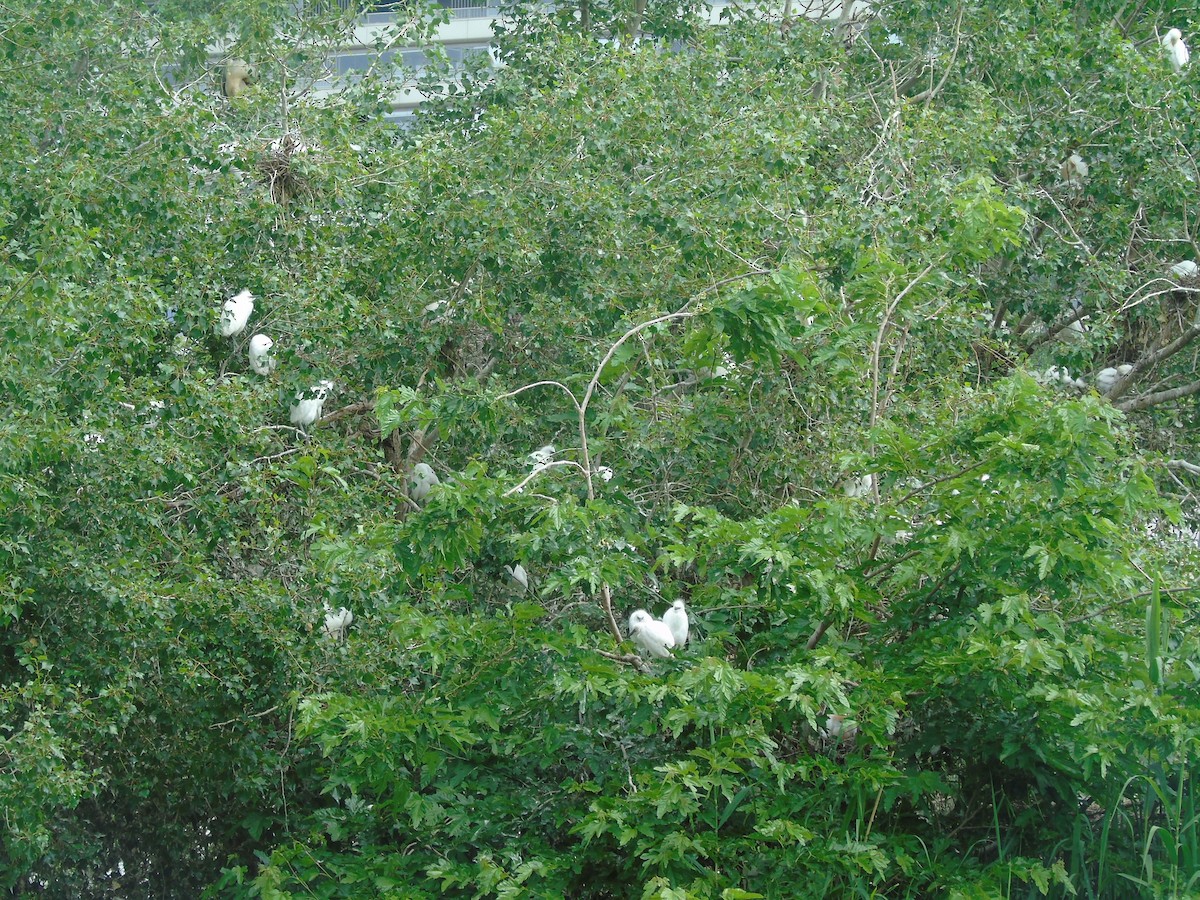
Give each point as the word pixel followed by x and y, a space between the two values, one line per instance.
pixel 1176 49
pixel 1106 379
pixel 518 576
pixel 421 480
pixel 1075 170
pixel 858 486
pixel 235 314
pixel 541 456
pixel 261 359
pixel 337 623
pixel 1186 270
pixel 676 619
pixel 307 408
pixel 236 76
pixel 650 634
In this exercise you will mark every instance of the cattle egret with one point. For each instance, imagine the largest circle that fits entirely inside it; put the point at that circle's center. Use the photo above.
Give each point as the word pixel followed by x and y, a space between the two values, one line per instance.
pixel 650 634
pixel 541 456
pixel 1186 269
pixel 859 486
pixel 518 576
pixel 1176 49
pixel 420 482
pixel 676 619
pixel 1106 379
pixel 337 623
pixel 235 314
pixel 838 729
pixel 307 408
pixel 237 75
pixel 261 359
pixel 605 473
pixel 1075 170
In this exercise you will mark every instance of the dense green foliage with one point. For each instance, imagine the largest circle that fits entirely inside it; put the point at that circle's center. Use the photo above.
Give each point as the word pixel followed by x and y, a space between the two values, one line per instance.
pixel 738 268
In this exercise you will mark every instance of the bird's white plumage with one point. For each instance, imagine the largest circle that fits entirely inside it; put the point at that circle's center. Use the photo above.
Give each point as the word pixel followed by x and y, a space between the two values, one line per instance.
pixel 676 619
pixel 650 634
pixel 542 455
pixel 1177 50
pixel 420 482
pixel 237 75
pixel 1106 379
pixel 1187 268
pixel 518 576
pixel 235 314
pixel 337 623
pixel 307 408
pixel 858 486
pixel 261 359
pixel 1075 170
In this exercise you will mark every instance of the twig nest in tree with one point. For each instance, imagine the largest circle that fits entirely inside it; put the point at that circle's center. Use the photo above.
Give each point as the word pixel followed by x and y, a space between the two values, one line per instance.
pixel 307 408
pixel 261 359
pixel 1106 379
pixel 337 623
pixel 421 481
pixel 1177 51
pixel 235 314
pixel 651 635
pixel 676 619
pixel 1074 170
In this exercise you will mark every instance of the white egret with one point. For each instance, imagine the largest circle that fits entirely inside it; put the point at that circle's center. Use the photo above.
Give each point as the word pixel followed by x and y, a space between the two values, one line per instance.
pixel 235 314
pixel 650 634
pixel 1186 270
pixel 261 359
pixel 541 456
pixel 1177 50
pixel 420 482
pixel 676 619
pixel 307 408
pixel 337 623
pixel 1106 379
pixel 859 486
pixel 838 729
pixel 1075 170
pixel 605 473
pixel 237 75
pixel 518 576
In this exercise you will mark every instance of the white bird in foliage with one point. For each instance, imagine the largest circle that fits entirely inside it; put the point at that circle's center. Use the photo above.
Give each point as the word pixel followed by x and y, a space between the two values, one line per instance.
pixel 1176 49
pixel 337 623
pixel 541 456
pixel 307 408
pixel 1186 270
pixel 518 576
pixel 650 634
pixel 235 314
pixel 1106 379
pixel 858 486
pixel 236 76
pixel 261 359
pixel 1075 170
pixel 420 482
pixel 676 619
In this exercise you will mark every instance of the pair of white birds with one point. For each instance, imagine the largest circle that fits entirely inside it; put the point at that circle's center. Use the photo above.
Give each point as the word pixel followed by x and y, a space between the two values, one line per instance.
pixel 659 636
pixel 234 315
